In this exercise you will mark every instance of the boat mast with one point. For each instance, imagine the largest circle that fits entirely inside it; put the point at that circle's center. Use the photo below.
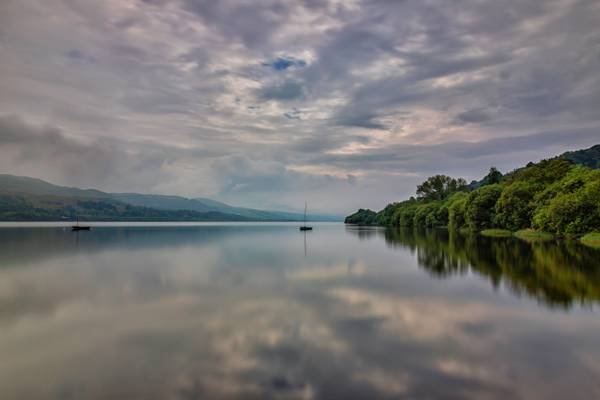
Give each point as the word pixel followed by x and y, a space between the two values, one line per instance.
pixel 305 213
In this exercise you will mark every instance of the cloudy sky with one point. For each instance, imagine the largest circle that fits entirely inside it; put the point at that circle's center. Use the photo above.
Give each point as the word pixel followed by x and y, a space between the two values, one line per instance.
pixel 344 103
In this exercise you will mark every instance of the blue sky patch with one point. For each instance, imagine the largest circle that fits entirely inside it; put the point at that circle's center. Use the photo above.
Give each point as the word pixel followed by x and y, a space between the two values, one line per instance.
pixel 283 63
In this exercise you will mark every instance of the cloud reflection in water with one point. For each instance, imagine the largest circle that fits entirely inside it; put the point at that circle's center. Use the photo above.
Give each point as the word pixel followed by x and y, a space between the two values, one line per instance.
pixel 226 312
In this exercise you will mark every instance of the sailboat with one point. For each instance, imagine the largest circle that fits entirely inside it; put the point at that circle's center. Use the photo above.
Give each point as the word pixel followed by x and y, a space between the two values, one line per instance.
pixel 78 227
pixel 304 227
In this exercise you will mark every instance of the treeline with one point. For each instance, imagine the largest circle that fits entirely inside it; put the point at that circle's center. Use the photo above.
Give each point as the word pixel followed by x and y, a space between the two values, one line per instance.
pixel 555 196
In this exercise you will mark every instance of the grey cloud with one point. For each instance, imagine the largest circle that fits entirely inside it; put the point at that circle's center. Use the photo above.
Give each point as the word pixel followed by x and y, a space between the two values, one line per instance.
pixel 240 174
pixel 293 114
pixel 428 66
pixel 475 115
pixel 155 2
pixel 250 23
pixel 80 57
pixel 126 23
pixel 498 147
pixel 42 150
pixel 283 91
pixel 463 157
pixel 47 152
pixel 154 101
pixel 252 178
pixel 248 175
pixel 349 118
pixel 326 142
pixel 447 50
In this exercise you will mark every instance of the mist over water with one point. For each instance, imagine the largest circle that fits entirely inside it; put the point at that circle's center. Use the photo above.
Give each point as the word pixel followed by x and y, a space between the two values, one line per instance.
pixel 255 311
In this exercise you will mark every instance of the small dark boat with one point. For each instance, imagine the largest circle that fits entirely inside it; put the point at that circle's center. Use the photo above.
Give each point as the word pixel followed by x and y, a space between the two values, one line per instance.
pixel 304 227
pixel 78 227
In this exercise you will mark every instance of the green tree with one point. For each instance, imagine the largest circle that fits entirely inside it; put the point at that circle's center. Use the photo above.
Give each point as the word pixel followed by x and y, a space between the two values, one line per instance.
pixel 362 217
pixel 442 214
pixel 439 187
pixel 384 217
pixel 493 177
pixel 456 210
pixel 513 210
pixel 406 216
pixel 479 212
pixel 422 211
pixel 570 205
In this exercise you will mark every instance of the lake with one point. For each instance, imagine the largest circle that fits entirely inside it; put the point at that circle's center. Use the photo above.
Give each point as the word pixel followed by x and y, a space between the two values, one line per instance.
pixel 263 311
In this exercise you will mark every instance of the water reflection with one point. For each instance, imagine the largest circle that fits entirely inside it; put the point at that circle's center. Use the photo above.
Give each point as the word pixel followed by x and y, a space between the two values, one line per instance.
pixel 558 273
pixel 238 312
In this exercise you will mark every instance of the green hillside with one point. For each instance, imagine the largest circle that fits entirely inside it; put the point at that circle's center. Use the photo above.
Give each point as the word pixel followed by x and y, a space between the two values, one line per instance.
pixel 29 199
pixel 25 207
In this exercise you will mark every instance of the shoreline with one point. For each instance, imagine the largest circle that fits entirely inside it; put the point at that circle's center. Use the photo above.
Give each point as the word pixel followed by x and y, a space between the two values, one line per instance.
pixel 590 239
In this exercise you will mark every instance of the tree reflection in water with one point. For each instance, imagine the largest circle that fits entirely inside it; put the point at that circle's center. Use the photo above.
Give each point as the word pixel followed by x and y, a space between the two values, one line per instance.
pixel 558 273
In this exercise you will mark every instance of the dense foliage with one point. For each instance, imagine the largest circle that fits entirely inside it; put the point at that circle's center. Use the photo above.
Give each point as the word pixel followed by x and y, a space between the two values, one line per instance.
pixel 439 187
pixel 556 196
pixel 363 217
pixel 588 157
pixel 479 208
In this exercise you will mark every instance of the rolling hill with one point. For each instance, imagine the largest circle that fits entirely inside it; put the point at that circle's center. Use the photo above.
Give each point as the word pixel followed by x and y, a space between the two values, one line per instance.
pixel 26 199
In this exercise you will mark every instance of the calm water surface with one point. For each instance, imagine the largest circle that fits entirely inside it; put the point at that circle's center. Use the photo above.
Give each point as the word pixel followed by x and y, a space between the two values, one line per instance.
pixel 261 311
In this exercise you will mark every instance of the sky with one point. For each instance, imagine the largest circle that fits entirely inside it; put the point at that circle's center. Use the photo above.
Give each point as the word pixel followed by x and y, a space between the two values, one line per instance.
pixel 266 104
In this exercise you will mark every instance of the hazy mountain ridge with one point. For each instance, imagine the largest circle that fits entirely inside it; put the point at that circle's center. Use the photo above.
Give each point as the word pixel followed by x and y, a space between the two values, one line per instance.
pixel 25 198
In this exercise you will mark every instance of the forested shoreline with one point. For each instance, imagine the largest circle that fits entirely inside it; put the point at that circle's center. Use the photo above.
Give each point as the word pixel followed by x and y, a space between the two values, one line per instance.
pixel 560 196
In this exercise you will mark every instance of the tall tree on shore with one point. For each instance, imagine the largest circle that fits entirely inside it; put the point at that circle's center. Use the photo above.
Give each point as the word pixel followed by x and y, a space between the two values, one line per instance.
pixel 439 187
pixel 494 176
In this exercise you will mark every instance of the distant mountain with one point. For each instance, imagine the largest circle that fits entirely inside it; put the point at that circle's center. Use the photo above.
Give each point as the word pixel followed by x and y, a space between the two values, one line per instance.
pixel 23 184
pixel 24 198
pixel 201 204
pixel 162 202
